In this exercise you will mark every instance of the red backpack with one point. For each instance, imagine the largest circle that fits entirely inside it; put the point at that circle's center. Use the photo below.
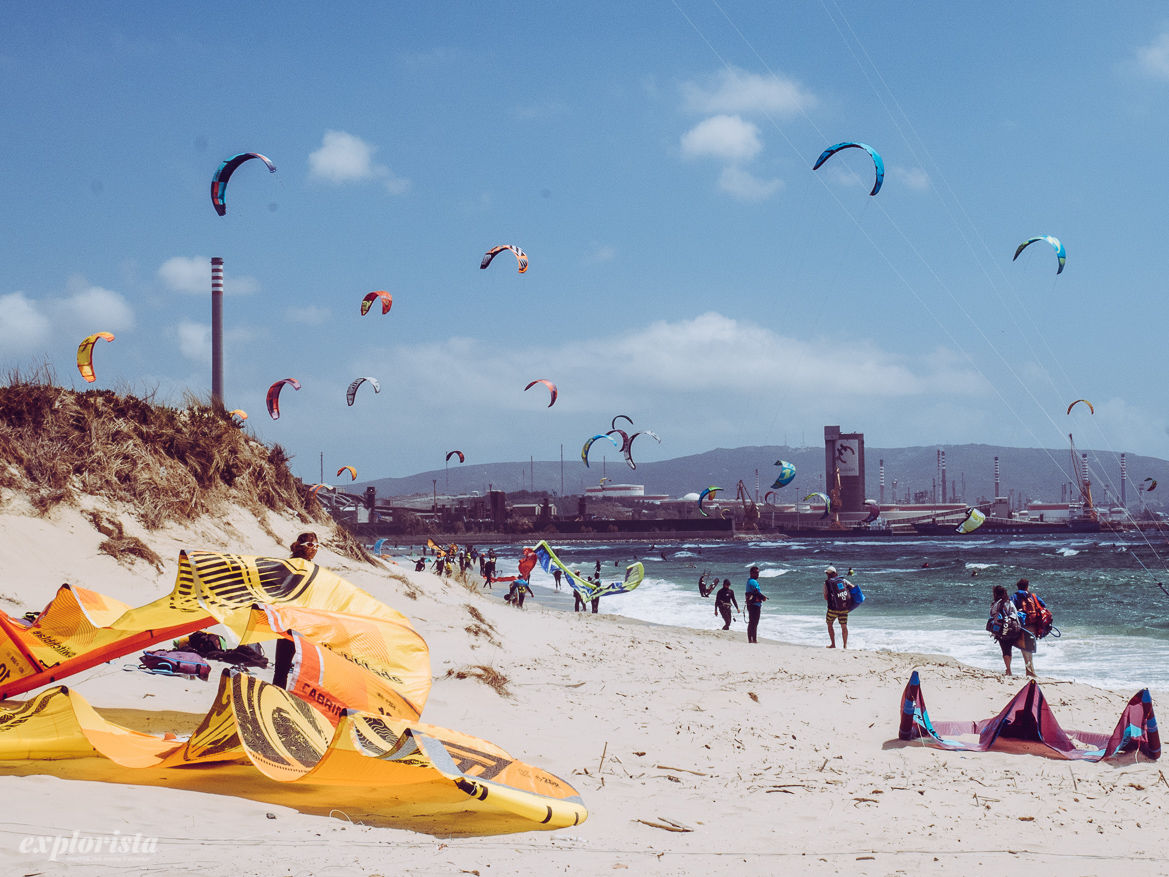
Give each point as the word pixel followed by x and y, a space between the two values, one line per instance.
pixel 1038 616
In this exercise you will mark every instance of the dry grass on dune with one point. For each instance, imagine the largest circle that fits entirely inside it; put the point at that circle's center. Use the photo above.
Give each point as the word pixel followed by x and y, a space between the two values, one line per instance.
pixel 172 464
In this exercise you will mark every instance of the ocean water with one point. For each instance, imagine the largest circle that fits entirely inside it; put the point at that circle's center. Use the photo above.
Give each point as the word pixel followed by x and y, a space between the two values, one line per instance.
pixel 928 595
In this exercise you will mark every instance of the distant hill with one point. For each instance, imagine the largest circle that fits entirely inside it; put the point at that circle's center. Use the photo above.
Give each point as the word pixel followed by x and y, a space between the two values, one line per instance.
pixel 1032 473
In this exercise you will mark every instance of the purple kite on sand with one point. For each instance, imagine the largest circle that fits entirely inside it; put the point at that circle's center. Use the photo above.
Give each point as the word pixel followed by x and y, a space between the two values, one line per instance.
pixel 1027 719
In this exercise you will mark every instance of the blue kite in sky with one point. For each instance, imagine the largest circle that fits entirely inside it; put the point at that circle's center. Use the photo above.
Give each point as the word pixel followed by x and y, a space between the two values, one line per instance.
pixel 878 163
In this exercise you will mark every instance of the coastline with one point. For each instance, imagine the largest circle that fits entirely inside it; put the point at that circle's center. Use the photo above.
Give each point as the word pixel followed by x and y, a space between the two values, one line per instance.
pixel 648 722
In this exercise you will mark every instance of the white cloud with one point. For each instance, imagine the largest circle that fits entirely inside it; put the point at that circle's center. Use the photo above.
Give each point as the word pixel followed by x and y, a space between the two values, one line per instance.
pixel 601 253
pixel 310 315
pixel 1154 58
pixel 661 361
pixel 30 325
pixel 910 177
pixel 747 186
pixel 22 325
pixel 344 158
pixel 93 306
pixel 192 274
pixel 728 137
pixel 195 341
pixel 737 91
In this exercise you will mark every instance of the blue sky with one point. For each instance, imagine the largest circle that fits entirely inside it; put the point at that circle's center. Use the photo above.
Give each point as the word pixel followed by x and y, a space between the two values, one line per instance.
pixel 654 160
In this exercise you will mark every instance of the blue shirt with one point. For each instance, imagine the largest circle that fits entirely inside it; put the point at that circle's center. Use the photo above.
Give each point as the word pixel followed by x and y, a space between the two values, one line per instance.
pixel 753 594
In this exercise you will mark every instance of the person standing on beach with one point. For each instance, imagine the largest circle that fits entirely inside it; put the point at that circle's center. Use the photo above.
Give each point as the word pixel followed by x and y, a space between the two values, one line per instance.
pixel 578 602
pixel 1028 605
pixel 556 575
pixel 1004 625
pixel 754 599
pixel 838 600
pixel 596 580
pixel 722 603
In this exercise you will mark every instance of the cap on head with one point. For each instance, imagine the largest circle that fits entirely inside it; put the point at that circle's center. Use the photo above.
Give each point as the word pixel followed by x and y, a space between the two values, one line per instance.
pixel 830 571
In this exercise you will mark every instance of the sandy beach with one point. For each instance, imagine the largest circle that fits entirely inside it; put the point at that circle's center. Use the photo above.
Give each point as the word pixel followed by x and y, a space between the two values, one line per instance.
pixel 763 758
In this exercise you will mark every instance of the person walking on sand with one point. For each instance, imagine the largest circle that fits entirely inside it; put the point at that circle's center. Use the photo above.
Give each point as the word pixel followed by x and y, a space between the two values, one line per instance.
pixel 1004 625
pixel 578 603
pixel 754 598
pixel 722 603
pixel 838 600
pixel 556 575
pixel 1028 604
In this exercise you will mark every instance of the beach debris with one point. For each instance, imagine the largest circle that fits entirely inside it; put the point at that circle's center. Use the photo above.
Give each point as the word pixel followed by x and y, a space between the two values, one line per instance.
pixel 878 163
pixel 387 301
pixel 520 255
pixel 697 773
pixel 665 825
pixel 753 696
pixel 604 752
pixel 223 174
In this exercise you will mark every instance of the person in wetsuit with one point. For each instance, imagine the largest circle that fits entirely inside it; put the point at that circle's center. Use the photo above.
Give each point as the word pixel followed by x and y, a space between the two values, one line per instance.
pixel 723 601
pixel 702 588
pixel 754 599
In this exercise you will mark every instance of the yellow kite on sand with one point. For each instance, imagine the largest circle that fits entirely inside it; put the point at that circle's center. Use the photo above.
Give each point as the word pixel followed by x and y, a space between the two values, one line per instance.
pixel 345 735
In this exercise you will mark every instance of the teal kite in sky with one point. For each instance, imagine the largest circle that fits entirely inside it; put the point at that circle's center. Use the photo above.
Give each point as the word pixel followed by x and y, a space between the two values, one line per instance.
pixel 878 163
pixel 1060 253
pixel 223 174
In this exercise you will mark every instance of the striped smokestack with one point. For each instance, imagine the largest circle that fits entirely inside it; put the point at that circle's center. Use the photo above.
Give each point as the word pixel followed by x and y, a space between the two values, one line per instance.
pixel 882 482
pixel 1123 482
pixel 217 331
pixel 996 478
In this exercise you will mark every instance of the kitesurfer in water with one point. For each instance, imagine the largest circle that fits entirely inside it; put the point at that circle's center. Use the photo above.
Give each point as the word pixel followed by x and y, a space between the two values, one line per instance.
pixel 305 546
pixel 702 588
pixel 722 603
pixel 754 599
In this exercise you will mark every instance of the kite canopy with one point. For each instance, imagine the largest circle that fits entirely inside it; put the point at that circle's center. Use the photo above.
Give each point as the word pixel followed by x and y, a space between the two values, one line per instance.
pixel 238 412
pixel 874 511
pixel 547 559
pixel 584 452
pixel 273 399
pixel 223 174
pixel 1152 484
pixel 613 422
pixel 1029 720
pixel 520 255
pixel 629 445
pixel 85 355
pixel 974 520
pixel 450 454
pixel 351 393
pixel 343 732
pixel 1060 253
pixel 878 164
pixel 1086 402
pixel 824 498
pixel 387 301
pixel 787 472
pixel 702 496
pixel 551 386
pixel 352 472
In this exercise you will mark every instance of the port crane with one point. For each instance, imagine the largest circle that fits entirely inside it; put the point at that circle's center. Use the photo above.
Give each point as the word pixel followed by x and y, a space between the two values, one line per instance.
pixel 1080 467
